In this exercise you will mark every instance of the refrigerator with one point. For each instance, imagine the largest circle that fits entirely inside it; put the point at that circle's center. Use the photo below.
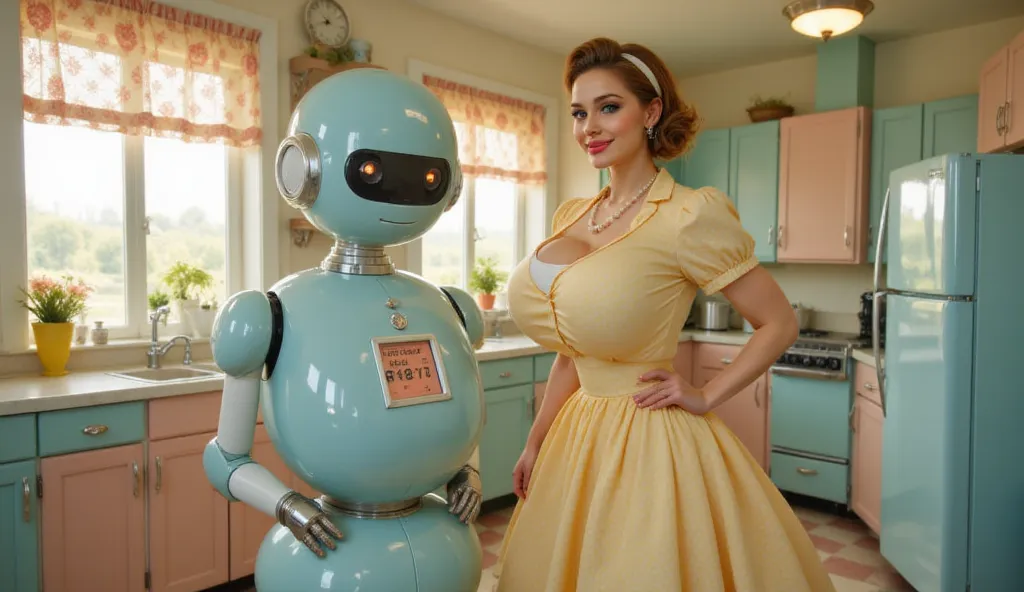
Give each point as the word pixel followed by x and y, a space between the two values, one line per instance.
pixel 952 374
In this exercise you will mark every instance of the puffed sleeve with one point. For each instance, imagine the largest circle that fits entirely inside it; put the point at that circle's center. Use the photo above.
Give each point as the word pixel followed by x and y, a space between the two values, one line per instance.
pixel 713 248
pixel 566 213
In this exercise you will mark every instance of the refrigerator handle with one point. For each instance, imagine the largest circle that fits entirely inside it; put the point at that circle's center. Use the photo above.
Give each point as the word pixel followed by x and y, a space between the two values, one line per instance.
pixel 876 302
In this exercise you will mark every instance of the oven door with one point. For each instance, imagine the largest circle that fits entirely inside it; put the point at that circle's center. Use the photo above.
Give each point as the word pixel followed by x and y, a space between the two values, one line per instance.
pixel 810 435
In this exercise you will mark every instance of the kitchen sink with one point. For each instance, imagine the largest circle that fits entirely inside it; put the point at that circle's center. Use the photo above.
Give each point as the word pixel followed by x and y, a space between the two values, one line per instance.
pixel 171 373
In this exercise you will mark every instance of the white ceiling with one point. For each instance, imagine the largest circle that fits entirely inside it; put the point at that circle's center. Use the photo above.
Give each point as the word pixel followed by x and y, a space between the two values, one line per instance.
pixel 699 36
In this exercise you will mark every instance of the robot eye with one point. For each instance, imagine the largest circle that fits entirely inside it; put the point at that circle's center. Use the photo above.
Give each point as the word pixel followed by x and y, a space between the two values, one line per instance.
pixel 432 179
pixel 297 170
pixel 371 172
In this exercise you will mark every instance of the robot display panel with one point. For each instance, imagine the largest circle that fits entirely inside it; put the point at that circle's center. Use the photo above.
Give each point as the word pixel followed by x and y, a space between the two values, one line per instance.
pixel 395 178
pixel 411 371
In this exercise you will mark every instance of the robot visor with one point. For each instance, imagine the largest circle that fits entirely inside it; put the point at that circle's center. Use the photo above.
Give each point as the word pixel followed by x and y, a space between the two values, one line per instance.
pixel 396 178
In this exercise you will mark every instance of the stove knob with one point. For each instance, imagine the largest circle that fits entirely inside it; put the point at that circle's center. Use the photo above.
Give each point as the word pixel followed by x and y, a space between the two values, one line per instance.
pixel 821 362
pixel 807 361
pixel 834 363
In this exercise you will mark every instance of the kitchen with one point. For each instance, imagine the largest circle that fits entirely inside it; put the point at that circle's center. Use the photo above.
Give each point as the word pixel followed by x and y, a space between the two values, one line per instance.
pixel 836 457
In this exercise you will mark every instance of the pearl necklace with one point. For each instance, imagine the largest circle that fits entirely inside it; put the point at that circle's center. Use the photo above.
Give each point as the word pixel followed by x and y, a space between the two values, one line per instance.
pixel 596 228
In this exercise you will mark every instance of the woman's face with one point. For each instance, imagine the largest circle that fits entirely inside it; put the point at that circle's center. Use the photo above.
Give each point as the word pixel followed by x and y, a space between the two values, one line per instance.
pixel 608 120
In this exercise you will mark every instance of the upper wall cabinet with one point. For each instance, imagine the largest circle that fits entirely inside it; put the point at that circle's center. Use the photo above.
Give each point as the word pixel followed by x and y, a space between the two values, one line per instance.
pixel 743 163
pixel 1001 102
pixel 905 135
pixel 823 187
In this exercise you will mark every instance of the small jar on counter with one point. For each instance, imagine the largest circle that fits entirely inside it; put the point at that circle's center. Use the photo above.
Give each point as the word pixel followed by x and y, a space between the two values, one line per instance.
pixel 99 334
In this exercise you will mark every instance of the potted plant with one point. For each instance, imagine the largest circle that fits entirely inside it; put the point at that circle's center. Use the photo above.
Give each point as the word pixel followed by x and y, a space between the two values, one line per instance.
pixel 768 109
pixel 157 299
pixel 485 281
pixel 187 282
pixel 55 304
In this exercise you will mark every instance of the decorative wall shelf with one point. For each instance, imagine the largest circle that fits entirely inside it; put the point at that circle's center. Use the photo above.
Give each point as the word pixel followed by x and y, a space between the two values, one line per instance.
pixel 302 231
pixel 306 71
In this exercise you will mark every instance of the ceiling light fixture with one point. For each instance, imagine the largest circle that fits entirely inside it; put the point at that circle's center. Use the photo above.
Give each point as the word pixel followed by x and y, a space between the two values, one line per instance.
pixel 826 18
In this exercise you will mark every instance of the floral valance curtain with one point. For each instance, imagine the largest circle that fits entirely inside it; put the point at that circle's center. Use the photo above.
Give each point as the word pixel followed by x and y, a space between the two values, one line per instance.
pixel 499 136
pixel 140 68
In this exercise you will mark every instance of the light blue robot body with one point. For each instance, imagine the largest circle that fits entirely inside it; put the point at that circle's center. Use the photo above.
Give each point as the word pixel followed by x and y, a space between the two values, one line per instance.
pixel 366 375
pixel 426 551
pixel 323 406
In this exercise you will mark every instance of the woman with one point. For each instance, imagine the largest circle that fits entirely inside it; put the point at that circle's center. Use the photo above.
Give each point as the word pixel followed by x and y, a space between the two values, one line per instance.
pixel 629 482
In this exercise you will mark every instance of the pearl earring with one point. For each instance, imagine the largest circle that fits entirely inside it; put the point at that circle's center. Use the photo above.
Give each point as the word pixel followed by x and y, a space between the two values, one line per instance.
pixel 650 132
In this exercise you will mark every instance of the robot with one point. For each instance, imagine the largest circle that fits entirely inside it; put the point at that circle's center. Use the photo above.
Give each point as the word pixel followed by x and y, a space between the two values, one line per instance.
pixel 366 376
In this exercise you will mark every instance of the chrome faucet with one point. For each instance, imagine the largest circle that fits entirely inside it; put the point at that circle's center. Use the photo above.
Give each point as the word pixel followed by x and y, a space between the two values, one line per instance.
pixel 157 351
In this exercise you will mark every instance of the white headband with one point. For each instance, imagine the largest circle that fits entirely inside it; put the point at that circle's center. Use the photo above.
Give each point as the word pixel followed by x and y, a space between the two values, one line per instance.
pixel 647 71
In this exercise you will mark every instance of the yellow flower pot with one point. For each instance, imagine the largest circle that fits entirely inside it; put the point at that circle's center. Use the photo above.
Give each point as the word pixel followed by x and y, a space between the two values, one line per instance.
pixel 53 346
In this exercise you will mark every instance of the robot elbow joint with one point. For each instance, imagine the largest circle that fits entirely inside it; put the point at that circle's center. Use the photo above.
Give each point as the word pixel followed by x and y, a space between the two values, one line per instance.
pixel 219 466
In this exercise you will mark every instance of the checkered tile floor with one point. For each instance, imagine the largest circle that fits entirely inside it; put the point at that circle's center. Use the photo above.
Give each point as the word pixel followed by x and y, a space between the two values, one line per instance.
pixel 847 547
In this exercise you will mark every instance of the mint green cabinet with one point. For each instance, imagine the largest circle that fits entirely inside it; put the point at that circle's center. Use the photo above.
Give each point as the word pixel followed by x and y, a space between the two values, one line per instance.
pixel 908 134
pixel 707 163
pixel 754 183
pixel 509 417
pixel 19 527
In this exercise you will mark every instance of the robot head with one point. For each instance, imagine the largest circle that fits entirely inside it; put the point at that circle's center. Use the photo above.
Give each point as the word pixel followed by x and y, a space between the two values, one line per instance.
pixel 371 158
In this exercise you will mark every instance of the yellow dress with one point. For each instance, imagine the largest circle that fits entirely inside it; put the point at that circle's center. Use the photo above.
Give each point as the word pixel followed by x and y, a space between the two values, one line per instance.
pixel 624 499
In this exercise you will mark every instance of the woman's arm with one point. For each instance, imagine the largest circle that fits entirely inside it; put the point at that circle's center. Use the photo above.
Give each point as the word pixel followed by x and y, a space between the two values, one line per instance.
pixel 758 299
pixel 562 382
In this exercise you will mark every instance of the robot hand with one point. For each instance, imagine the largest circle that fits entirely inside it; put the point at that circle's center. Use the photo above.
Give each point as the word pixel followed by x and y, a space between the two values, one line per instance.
pixel 465 494
pixel 308 522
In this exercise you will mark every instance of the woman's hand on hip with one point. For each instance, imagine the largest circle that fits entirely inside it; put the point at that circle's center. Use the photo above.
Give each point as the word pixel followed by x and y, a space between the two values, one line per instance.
pixel 670 389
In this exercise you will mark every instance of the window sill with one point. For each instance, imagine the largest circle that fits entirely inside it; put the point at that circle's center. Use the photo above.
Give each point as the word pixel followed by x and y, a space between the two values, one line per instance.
pixel 117 344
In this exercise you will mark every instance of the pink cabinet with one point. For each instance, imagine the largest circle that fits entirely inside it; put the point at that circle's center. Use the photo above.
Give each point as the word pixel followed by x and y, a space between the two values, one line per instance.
pixel 188 518
pixel 747 412
pixel 824 174
pixel 1001 99
pixel 94 521
pixel 866 422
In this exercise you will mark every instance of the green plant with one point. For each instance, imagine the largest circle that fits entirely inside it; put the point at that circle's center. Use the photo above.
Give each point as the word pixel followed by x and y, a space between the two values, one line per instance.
pixel 331 56
pixel 485 278
pixel 158 298
pixel 186 281
pixel 53 301
pixel 756 102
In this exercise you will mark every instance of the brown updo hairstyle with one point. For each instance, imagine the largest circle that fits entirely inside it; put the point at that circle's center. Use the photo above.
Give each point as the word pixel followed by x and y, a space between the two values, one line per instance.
pixel 675 130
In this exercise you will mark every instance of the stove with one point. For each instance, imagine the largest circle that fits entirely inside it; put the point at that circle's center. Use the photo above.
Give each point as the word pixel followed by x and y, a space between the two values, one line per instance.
pixel 824 355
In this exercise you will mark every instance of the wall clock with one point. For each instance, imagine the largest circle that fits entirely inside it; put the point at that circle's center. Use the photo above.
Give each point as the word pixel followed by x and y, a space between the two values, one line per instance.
pixel 327 23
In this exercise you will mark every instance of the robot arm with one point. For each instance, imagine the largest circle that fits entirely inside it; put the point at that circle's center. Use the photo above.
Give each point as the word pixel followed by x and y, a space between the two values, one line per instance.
pixel 246 337
pixel 465 490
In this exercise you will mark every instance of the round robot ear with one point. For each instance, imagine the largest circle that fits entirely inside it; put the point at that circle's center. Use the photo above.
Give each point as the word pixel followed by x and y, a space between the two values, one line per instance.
pixel 456 185
pixel 297 170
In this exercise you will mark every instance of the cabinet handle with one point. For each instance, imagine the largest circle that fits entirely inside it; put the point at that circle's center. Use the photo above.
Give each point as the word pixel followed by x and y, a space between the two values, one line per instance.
pixel 846 236
pixel 727 361
pixel 505 374
pixel 159 474
pixel 869 386
pixel 999 119
pixel 94 430
pixel 808 472
pixel 771 233
pixel 1007 120
pixel 26 500
pixel 757 399
pixel 781 233
pixel 135 479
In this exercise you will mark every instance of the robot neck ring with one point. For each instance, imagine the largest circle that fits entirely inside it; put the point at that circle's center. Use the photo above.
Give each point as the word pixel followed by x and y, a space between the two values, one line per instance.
pixel 357 260
pixel 372 511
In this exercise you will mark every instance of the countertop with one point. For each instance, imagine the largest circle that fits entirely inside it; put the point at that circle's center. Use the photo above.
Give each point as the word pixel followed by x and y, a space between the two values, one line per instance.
pixel 33 394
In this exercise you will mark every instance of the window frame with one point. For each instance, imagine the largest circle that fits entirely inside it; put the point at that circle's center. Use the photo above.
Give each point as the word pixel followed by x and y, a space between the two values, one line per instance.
pixel 254 243
pixel 532 212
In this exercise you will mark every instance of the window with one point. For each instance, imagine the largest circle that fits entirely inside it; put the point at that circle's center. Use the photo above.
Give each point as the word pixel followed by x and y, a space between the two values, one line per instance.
pixel 505 138
pixel 139 130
